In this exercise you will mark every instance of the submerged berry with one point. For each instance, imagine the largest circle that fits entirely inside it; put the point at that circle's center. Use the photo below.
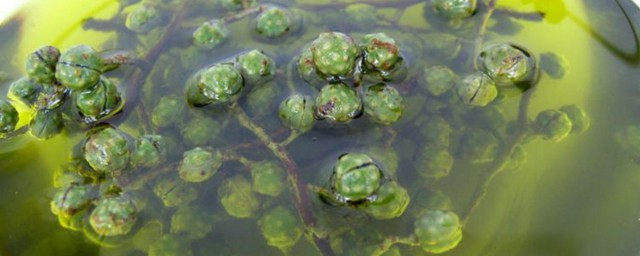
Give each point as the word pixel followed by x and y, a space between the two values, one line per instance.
pixel 338 102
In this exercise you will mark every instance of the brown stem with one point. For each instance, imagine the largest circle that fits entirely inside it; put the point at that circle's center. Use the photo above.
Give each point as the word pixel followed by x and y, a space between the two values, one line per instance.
pixel 300 196
pixel 378 4
pixel 529 16
pixel 489 8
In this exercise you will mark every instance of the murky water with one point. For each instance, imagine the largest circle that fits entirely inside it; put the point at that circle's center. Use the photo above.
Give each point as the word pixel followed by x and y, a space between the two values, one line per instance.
pixel 577 196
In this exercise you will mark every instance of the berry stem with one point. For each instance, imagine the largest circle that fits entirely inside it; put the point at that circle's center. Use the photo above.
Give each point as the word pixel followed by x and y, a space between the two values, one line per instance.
pixel 389 242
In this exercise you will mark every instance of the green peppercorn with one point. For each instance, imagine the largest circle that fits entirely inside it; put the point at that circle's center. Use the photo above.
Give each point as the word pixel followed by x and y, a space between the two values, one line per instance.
pixel 107 150
pixel 437 132
pixel 439 79
pixel 113 216
pixel 355 177
pixel 269 178
pixel 41 64
pixel 390 202
pixel 334 54
pixel 51 97
pixel 579 120
pixel 281 228
pixel 434 161
pixel 168 111
pixel 381 53
pixel 262 100
pixel 143 18
pixel 170 245
pixel 383 104
pixel 237 197
pixel 307 68
pixel 210 34
pixel 46 124
pixel 192 221
pixel 199 164
pixel 479 146
pixel 100 101
pixel 386 157
pixel 442 45
pixel 25 90
pixel 338 102
pixel 173 191
pixel 296 112
pixel 200 130
pixel 477 89
pixel 221 83
pixel 553 64
pixel 506 64
pixel 438 231
pixel 454 9
pixel 8 118
pixel 79 67
pixel 553 125
pixel 71 199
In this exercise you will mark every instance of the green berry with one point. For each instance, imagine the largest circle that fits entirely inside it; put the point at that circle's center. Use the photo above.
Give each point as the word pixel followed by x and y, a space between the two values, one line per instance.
pixel 355 177
pixel 41 64
pixel 51 97
pixel 79 68
pixel 362 15
pixel 434 161
pixel 306 68
pixel 479 146
pixel 100 101
pixel 338 102
pixel 200 130
pixel 199 164
pixel 71 199
pixel 107 150
pixel 454 9
pixel 168 111
pixel 170 245
pixel 334 54
pixel 553 64
pixel 24 90
pixel 236 5
pixel 192 221
pixel 507 65
pixel 221 83
pixel 436 132
pixel 150 151
pixel 8 118
pixel 296 112
pixel 390 202
pixel 274 22
pixel 386 157
pixel 237 197
pixel 256 67
pixel 269 178
pixel 173 191
pixel 142 19
pixel 113 216
pixel 281 228
pixel 438 231
pixel 383 104
pixel 439 79
pixel 553 125
pixel 381 53
pixel 442 45
pixel 579 120
pixel 210 34
pixel 46 124
pixel 477 89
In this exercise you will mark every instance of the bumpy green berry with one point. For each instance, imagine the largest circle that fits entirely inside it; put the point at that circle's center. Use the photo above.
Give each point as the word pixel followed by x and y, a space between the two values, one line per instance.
pixel 334 54
pixel 281 228
pixel 390 202
pixel 45 124
pixel 237 197
pixel 107 151
pixel 437 132
pixel 430 200
pixel 269 178
pixel 8 118
pixel 434 161
pixel 381 53
pixel 296 112
pixel 150 151
pixel 24 90
pixel 454 9
pixel 41 64
pixel 579 120
pixel 387 157
pixel 79 67
pixel 167 112
pixel 355 177
pixel 256 67
pixel 170 245
pixel 439 79
pixel 306 68
pixel 192 221
pixel 199 164
pixel 553 125
pixel 442 45
pixel 71 199
pixel 113 216
pixel 200 130
pixel 221 83
pixel 506 64
pixel 383 104
pixel 553 64
pixel 274 22
pixel 438 231
pixel 477 89
pixel 362 15
pixel 338 102
pixel 102 100
pixel 479 146
pixel 210 34
pixel 236 5
pixel 143 18
pixel 51 97
pixel 173 191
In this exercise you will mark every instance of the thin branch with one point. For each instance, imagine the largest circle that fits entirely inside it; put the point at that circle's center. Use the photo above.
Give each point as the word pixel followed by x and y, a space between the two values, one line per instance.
pixel 528 16
pixel 389 242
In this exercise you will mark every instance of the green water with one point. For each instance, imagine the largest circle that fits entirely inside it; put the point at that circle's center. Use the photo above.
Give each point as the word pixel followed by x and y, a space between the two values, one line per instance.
pixel 578 196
